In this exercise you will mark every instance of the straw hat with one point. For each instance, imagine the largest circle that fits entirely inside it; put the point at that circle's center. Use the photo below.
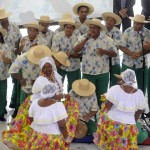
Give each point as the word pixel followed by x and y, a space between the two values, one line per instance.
pixel 34 25
pixel 118 76
pixel 69 21
pixel 3 31
pixel 139 18
pixel 62 58
pixel 83 87
pixel 76 7
pixel 96 22
pixel 45 19
pixel 36 53
pixel 65 16
pixel 81 130
pixel 112 15
pixel 4 14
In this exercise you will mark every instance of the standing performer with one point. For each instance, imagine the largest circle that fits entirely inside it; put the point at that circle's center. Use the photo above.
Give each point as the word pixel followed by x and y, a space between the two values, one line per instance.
pixel 113 32
pixel 131 45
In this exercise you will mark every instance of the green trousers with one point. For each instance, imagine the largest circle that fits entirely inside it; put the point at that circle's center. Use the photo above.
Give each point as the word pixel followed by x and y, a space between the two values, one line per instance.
pixel 139 76
pixel 71 76
pixel 115 69
pixel 101 83
pixel 15 97
pixel 3 96
pixel 91 127
pixel 148 87
pixel 23 96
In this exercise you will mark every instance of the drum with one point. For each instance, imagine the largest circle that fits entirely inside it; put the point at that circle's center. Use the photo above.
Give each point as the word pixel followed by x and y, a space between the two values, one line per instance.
pixel 81 129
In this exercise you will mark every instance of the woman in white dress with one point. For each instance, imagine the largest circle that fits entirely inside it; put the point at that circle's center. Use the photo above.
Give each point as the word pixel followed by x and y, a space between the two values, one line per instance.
pixel 117 125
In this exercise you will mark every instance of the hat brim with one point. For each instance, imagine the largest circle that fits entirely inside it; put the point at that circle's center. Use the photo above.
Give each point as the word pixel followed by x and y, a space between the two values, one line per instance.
pixel 39 27
pixel 112 15
pixel 76 7
pixel 67 64
pixel 44 21
pixel 5 15
pixel 63 23
pixel 90 22
pixel 35 60
pixel 133 19
pixel 118 76
pixel 89 92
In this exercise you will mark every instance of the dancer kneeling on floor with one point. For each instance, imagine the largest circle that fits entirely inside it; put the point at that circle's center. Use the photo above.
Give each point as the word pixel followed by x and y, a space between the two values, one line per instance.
pixel 49 129
pixel 122 108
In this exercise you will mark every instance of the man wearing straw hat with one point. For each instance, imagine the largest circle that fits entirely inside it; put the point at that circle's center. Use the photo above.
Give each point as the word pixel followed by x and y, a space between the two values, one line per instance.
pixel 96 49
pixel 113 32
pixel 64 41
pixel 26 42
pixel 33 38
pixel 66 16
pixel 60 59
pixel 132 45
pixel 83 10
pixel 13 35
pixel 12 38
pixel 28 63
pixel 83 91
pixel 47 34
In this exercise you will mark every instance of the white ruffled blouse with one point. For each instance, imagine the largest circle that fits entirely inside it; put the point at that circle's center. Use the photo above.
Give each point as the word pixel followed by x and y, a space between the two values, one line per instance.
pixel 45 118
pixel 125 104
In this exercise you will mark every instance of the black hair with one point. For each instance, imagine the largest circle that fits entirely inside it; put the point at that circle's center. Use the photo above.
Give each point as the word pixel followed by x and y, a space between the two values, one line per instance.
pixel 1 38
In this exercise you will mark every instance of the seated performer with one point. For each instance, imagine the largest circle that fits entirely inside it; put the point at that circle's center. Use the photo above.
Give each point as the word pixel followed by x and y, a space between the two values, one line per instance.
pixel 83 91
pixel 48 122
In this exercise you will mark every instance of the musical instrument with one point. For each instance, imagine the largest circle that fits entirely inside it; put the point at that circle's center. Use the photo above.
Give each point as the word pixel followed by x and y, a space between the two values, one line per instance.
pixel 81 129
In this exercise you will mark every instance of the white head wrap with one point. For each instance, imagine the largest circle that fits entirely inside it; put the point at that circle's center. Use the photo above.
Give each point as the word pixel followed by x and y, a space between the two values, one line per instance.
pixel 128 76
pixel 39 84
pixel 41 81
pixel 45 60
pixel 49 91
pixel 37 87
